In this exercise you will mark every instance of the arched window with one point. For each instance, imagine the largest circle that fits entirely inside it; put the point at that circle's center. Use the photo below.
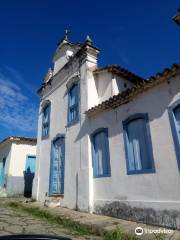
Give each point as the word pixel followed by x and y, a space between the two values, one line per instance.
pixel 100 153
pixel 46 120
pixel 138 145
pixel 73 103
pixel 174 115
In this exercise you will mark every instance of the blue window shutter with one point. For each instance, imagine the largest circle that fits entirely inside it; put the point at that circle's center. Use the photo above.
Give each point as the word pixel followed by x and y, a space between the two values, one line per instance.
pixel 135 135
pixel 43 120
pixel 177 118
pixel 100 151
pixel 53 178
pixel 46 121
pixel 138 144
pixel 77 100
pixel 174 117
pixel 68 107
pixel 94 163
pixel 73 103
pixel 177 126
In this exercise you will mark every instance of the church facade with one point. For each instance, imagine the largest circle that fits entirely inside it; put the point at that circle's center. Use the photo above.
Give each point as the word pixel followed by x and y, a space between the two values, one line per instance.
pixel 108 140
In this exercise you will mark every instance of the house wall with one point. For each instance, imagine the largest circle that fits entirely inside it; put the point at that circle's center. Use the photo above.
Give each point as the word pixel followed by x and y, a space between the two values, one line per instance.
pixel 152 198
pixel 17 162
pixel 104 86
pixel 5 152
pixel 120 84
pixel 108 85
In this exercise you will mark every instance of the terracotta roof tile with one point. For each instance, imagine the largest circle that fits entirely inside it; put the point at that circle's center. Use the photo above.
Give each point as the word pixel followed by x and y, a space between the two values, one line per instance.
pixel 17 138
pixel 116 69
pixel 140 87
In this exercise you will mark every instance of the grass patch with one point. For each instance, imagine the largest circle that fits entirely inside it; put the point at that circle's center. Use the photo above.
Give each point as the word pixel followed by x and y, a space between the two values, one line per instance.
pixel 67 223
pixel 118 235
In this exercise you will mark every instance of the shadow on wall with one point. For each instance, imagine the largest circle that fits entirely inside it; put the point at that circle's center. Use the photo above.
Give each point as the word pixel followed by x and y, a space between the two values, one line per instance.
pixel 28 182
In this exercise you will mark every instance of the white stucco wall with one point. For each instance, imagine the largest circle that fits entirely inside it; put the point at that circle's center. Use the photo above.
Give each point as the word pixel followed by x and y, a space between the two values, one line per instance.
pixel 159 187
pixel 120 84
pixel 19 152
pixel 58 123
pixel 15 179
pixel 104 86
pixel 62 56
pixel 16 154
pixel 108 85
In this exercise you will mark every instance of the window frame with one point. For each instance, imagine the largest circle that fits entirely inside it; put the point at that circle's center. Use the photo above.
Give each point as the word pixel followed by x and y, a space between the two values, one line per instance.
pixel 174 130
pixel 97 131
pixel 149 141
pixel 76 105
pixel 47 105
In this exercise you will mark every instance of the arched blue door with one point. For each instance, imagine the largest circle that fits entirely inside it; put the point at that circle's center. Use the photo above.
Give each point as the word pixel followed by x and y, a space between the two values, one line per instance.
pixel 57 166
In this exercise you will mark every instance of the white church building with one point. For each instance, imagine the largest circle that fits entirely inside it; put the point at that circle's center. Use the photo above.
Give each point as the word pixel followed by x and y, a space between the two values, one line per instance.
pixel 108 140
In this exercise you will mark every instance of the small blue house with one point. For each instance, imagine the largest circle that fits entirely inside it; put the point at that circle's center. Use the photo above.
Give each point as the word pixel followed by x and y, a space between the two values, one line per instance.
pixel 17 155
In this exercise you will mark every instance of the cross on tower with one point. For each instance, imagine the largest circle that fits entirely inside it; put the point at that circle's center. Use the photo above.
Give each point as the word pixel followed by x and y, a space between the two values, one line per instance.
pixel 66 34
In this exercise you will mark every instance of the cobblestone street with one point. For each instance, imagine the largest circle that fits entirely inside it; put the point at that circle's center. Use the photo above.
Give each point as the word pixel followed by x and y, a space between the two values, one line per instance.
pixel 16 222
pixel 26 217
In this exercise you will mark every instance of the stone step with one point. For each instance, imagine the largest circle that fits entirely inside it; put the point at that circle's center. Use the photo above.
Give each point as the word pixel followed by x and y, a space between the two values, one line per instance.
pixel 53 201
pixel 3 192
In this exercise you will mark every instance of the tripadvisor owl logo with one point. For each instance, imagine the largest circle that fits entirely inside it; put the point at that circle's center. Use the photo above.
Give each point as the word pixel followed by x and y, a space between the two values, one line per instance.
pixel 139 231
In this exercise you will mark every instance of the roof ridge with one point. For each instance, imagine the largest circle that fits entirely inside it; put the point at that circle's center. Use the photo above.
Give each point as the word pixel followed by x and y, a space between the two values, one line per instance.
pixel 128 94
pixel 117 69
pixel 19 138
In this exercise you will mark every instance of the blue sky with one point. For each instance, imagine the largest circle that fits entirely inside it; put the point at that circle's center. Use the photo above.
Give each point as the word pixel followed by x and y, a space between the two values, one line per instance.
pixel 138 35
